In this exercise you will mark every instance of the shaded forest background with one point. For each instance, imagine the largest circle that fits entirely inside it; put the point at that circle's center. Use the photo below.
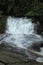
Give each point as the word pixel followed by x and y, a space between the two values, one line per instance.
pixel 21 7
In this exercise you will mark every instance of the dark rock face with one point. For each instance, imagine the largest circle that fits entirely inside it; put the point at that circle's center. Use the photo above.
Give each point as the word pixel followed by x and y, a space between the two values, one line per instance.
pixel 2 25
pixel 39 19
pixel 36 46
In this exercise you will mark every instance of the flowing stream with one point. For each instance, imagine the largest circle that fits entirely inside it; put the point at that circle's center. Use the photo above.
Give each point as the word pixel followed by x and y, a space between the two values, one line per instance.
pixel 22 33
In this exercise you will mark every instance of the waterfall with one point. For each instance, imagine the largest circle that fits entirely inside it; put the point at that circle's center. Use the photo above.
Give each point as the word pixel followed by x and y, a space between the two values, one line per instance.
pixel 21 32
pixel 19 26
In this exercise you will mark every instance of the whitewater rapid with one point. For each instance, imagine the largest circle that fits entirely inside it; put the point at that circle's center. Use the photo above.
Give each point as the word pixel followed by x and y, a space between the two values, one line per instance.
pixel 22 33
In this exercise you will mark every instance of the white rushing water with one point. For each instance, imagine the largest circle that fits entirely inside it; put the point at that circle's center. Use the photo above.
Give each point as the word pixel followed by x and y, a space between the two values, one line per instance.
pixel 21 32
pixel 19 26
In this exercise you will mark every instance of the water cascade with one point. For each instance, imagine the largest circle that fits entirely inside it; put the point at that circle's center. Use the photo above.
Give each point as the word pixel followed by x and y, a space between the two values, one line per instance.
pixel 21 33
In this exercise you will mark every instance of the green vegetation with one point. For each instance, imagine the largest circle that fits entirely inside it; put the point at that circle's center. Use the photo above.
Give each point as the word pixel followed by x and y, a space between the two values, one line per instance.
pixel 36 9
